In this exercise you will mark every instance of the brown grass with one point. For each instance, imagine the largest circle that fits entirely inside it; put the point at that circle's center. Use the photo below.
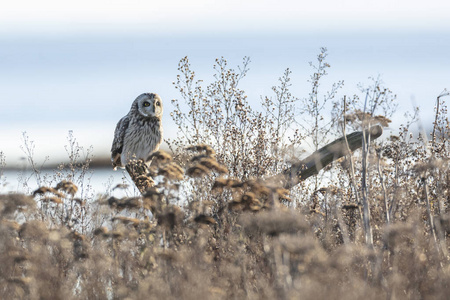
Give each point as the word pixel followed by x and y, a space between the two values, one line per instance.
pixel 211 228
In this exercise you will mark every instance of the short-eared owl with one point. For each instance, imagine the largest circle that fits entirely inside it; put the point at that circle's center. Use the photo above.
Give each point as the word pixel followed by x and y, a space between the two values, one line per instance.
pixel 139 133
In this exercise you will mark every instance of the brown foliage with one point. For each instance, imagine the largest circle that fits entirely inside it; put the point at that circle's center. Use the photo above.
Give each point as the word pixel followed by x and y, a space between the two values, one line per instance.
pixel 214 234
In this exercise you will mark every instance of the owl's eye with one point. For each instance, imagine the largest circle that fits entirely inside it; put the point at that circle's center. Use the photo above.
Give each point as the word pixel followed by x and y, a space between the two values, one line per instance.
pixel 158 103
pixel 146 104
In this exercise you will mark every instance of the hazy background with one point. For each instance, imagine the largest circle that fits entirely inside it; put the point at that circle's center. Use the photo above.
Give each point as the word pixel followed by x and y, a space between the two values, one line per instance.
pixel 79 65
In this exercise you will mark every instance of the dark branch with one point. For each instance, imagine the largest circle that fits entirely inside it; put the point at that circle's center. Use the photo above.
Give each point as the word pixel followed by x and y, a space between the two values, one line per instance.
pixel 321 158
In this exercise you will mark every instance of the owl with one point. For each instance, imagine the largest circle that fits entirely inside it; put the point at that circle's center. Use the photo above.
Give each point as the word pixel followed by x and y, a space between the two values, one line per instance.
pixel 140 132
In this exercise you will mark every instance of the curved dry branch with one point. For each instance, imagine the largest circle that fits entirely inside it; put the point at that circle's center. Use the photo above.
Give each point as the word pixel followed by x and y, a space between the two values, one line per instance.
pixel 324 156
pixel 290 177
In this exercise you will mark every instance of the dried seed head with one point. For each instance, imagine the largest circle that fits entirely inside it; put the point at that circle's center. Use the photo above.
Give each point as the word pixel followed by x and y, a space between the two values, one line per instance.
pixel 126 220
pixel 349 205
pixel 136 223
pixel 101 231
pixel 13 225
pixel 171 171
pixel 152 200
pixel 259 187
pixel 160 156
pixel 56 200
pixel 122 186
pixel 444 221
pixel 397 233
pixel 273 222
pixel 43 190
pixel 171 216
pixel 382 120
pixel 129 203
pixel 202 147
pixel 248 197
pixel 79 201
pixel 199 157
pixel 73 235
pixel 394 138
pixel 246 202
pixel 35 230
pixel 168 254
pixel 22 281
pixel 12 203
pixel 211 163
pixel 105 233
pixel 220 183
pixel 203 219
pixel 67 186
pixel 283 194
pixel 197 171
pixel 144 182
pixel 358 115
pixel 18 256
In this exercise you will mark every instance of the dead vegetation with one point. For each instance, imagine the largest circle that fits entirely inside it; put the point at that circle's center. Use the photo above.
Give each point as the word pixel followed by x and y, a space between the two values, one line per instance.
pixel 210 224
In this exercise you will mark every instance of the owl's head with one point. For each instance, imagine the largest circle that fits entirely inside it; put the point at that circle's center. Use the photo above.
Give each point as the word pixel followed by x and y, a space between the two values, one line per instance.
pixel 149 105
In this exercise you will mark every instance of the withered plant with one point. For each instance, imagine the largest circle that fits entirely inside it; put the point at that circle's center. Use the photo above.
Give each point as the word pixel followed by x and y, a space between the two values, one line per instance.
pixel 212 220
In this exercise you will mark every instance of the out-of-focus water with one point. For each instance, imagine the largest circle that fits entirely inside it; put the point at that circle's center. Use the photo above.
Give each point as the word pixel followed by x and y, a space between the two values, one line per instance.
pixel 50 85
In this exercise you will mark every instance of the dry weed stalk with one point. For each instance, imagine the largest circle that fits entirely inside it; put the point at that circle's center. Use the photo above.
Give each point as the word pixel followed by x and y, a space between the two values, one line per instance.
pixel 240 219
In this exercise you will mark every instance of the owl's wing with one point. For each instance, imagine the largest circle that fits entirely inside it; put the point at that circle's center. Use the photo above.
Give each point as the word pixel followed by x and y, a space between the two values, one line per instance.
pixel 117 145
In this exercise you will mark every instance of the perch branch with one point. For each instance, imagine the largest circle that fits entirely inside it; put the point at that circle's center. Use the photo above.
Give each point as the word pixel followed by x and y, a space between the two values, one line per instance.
pixel 138 170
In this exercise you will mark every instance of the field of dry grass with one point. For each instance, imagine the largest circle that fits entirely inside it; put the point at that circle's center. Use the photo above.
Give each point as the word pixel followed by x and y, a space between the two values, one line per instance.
pixel 371 225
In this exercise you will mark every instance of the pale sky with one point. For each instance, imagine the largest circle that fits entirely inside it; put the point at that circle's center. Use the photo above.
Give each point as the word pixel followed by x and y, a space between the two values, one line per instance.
pixel 196 16
pixel 405 40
